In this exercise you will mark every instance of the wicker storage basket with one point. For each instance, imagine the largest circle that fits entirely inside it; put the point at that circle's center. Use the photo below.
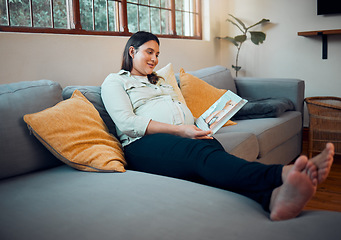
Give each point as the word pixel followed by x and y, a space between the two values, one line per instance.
pixel 324 123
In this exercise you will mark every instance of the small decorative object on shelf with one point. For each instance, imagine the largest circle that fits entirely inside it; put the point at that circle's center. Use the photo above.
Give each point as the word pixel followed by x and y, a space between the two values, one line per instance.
pixel 324 123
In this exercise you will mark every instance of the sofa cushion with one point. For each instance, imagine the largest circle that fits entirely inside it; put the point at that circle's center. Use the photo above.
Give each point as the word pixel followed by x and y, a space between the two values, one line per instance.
pixel 270 132
pixel 62 203
pixel 217 76
pixel 167 73
pixel 21 152
pixel 74 132
pixel 199 95
pixel 264 108
pixel 284 153
pixel 93 94
pixel 241 144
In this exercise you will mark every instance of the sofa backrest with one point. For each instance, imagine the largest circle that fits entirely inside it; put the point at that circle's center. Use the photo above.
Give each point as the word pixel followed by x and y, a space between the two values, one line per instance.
pixel 20 151
pixel 217 76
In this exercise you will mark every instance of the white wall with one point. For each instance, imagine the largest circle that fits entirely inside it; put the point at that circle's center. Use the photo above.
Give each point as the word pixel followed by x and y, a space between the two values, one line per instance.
pixel 284 53
pixel 87 60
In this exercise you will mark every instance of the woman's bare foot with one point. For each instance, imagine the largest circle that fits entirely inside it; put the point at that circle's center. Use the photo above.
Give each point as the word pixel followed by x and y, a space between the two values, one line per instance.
pixel 299 184
pixel 323 162
pixel 288 200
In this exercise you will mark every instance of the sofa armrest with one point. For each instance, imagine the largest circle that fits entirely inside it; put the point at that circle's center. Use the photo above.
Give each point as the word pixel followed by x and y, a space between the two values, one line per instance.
pixel 293 89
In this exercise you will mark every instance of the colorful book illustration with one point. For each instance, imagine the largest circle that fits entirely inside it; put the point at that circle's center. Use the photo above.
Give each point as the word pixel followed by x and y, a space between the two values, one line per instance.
pixel 220 112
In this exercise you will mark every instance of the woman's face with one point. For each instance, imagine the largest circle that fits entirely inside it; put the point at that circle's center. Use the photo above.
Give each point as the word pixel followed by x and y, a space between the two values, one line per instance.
pixel 145 58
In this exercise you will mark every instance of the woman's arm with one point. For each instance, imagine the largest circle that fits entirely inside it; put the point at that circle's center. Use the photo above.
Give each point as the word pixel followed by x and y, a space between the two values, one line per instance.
pixel 119 107
pixel 188 131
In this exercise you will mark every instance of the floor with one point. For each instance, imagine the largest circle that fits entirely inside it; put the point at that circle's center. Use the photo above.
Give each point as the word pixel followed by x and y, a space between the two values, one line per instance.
pixel 328 195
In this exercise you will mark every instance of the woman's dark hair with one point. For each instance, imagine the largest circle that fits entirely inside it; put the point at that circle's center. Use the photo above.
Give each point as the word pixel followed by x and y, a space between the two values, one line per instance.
pixel 136 40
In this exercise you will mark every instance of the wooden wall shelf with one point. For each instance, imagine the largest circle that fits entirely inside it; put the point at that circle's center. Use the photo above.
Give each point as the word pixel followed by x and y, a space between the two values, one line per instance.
pixel 324 34
pixel 315 33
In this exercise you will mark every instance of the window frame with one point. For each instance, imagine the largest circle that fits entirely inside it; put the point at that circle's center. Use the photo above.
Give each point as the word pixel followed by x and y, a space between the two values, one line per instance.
pixel 123 19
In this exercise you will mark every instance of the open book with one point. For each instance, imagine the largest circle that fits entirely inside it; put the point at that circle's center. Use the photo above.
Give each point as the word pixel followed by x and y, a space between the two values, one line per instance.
pixel 220 112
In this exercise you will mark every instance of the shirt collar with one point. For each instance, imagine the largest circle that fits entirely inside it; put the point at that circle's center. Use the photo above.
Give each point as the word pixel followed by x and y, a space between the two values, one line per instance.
pixel 125 72
pixel 122 72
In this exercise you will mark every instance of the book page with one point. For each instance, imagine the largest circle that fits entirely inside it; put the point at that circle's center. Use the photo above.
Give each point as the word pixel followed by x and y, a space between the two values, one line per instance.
pixel 220 112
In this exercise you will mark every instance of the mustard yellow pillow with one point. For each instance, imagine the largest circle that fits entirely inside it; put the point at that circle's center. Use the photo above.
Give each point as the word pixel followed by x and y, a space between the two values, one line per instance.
pixel 76 134
pixel 198 94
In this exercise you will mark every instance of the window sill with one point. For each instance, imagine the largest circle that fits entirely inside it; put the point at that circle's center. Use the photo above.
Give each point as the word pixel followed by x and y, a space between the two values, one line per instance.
pixel 82 32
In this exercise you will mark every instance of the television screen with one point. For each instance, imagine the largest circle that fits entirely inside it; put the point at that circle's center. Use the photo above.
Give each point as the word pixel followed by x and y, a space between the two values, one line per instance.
pixel 328 7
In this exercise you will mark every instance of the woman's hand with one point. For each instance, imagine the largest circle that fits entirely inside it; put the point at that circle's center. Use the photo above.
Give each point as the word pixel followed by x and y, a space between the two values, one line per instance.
pixel 187 131
pixel 192 131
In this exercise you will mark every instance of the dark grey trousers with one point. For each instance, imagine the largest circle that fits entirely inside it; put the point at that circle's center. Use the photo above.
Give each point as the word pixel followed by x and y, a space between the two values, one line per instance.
pixel 203 161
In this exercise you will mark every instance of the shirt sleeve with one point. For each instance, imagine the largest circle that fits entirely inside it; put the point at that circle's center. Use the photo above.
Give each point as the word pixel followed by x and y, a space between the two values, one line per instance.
pixel 119 107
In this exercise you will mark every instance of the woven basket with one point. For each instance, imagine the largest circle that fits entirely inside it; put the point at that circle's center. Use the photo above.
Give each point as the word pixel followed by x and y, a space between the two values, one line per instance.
pixel 324 123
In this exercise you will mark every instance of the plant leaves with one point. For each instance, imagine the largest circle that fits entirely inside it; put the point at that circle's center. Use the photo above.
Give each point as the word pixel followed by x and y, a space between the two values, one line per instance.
pixel 257 37
pixel 237 68
pixel 229 20
pixel 232 40
pixel 260 22
pixel 264 20
pixel 240 38
pixel 239 21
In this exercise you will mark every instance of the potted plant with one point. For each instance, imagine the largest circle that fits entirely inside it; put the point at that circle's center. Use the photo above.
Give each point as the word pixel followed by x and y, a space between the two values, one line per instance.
pixel 257 37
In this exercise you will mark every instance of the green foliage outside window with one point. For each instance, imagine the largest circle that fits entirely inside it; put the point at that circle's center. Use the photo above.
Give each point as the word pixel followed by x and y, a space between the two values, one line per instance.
pixel 100 15
pixel 19 11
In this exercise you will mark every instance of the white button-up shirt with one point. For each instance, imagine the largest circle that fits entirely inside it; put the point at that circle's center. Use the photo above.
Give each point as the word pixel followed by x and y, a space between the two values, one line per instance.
pixel 132 102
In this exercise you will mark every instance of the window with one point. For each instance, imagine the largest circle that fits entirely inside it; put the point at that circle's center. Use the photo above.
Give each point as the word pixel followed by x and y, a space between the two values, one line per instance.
pixel 165 18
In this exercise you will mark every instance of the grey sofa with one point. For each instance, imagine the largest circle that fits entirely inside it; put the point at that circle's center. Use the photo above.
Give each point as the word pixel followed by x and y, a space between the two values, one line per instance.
pixel 267 140
pixel 41 198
